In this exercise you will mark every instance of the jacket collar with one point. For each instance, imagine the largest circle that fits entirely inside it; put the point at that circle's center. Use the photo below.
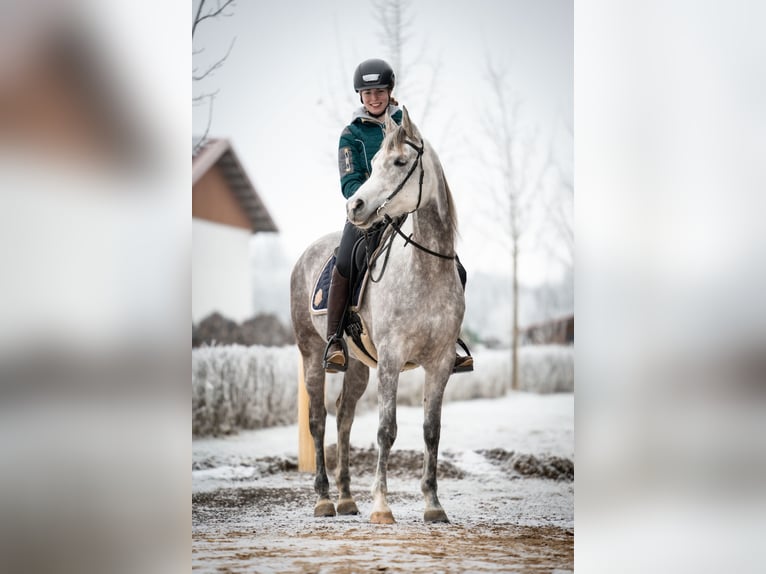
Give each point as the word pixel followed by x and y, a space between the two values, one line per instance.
pixel 361 114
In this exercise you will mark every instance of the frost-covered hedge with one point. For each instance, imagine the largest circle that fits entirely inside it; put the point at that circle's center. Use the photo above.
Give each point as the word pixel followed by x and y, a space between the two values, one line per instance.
pixel 237 387
pixel 546 368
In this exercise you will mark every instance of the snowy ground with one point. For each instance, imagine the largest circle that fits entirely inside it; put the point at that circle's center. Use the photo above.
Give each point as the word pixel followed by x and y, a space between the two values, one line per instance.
pixel 505 480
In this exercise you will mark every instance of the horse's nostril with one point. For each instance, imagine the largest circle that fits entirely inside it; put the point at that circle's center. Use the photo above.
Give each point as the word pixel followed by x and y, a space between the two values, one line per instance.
pixel 357 205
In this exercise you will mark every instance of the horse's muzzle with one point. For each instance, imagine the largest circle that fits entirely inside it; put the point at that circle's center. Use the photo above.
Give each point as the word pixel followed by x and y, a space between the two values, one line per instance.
pixel 358 213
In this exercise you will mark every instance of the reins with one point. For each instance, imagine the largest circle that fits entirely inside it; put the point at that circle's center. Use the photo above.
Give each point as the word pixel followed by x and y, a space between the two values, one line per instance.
pixel 409 239
pixel 396 225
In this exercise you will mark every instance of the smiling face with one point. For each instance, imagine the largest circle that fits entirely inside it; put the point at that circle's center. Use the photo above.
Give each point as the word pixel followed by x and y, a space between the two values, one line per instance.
pixel 375 100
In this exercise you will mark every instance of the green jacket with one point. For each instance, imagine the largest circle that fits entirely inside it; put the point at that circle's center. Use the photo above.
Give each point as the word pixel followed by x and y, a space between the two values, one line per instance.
pixel 360 141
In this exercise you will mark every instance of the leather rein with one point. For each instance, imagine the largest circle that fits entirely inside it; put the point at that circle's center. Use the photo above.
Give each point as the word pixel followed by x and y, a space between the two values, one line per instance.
pixel 396 225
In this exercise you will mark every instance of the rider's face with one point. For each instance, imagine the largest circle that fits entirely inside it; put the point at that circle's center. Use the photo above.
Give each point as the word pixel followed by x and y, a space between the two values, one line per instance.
pixel 375 101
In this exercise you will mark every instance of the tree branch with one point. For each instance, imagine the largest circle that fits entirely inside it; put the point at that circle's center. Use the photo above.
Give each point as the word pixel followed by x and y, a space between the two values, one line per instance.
pixel 215 65
pixel 197 100
pixel 199 17
pixel 203 137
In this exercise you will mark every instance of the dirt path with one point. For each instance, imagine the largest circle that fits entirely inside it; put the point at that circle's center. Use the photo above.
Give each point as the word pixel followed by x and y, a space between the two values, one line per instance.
pixel 509 513
pixel 357 547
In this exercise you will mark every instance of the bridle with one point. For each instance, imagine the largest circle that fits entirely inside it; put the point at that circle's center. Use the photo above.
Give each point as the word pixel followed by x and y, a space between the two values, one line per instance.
pixel 418 162
pixel 396 225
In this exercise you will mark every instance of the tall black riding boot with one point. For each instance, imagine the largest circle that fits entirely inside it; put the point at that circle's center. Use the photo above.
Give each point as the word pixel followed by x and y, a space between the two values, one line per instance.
pixel 335 355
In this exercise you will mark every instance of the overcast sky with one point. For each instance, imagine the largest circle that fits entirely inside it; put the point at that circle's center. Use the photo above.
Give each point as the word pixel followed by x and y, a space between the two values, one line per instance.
pixel 285 93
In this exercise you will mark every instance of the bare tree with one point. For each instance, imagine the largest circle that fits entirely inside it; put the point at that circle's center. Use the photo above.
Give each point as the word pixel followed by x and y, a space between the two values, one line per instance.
pixel 416 75
pixel 559 207
pixel 205 12
pixel 519 173
pixel 396 19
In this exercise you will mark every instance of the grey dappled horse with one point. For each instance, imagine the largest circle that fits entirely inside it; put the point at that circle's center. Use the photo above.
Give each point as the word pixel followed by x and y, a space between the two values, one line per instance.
pixel 412 314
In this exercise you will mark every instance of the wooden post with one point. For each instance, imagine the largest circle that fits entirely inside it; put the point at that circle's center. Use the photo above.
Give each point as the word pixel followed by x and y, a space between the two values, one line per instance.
pixel 306 455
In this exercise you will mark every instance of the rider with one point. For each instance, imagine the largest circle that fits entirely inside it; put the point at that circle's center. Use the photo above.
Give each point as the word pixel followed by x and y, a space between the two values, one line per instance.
pixel 374 80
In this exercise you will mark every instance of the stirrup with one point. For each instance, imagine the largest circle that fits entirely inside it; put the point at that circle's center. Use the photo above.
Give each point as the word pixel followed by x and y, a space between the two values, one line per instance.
pixel 466 363
pixel 335 367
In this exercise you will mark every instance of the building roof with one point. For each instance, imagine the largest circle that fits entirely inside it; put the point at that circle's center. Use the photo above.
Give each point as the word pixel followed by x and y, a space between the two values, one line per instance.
pixel 63 96
pixel 219 152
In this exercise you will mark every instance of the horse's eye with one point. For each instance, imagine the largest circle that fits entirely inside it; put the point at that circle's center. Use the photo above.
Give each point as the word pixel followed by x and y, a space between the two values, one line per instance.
pixel 400 162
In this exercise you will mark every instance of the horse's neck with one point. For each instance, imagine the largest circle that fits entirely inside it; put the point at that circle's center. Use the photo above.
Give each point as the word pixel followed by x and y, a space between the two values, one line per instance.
pixel 432 225
pixel 419 271
pixel 432 228
pixel 430 231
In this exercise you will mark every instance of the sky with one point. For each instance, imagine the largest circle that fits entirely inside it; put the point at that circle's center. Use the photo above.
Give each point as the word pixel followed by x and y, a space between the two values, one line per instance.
pixel 285 93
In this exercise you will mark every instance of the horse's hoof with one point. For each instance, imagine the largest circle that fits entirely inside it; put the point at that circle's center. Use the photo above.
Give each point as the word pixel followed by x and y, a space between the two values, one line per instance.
pixel 324 508
pixel 347 506
pixel 435 516
pixel 382 518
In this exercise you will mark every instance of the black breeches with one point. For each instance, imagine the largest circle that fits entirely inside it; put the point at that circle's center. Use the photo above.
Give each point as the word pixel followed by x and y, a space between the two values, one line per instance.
pixel 351 234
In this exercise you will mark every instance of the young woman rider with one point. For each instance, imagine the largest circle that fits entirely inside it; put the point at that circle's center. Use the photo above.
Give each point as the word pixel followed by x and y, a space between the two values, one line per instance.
pixel 374 81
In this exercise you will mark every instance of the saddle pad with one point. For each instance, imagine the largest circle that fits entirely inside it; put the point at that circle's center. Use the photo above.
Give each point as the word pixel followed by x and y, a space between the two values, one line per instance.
pixel 322 287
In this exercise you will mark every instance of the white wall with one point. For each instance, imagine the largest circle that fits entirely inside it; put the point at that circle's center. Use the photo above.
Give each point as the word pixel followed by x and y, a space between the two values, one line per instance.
pixel 220 271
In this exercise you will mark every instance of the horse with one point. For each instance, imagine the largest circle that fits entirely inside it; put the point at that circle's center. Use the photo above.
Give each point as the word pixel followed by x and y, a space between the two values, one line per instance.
pixel 412 312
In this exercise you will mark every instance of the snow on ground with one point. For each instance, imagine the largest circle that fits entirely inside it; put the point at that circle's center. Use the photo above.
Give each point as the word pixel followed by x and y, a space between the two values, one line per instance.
pixel 252 510
pixel 525 423
pixel 522 422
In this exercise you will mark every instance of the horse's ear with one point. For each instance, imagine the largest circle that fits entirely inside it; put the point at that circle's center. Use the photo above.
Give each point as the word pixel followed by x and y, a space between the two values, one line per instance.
pixel 394 134
pixel 406 123
pixel 409 128
pixel 389 124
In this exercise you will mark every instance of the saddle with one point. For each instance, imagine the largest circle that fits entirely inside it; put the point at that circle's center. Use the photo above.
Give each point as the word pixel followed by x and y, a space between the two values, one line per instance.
pixel 366 250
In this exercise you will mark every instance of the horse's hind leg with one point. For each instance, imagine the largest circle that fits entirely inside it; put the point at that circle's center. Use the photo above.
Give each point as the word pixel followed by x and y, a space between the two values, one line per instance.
pixel 354 383
pixel 433 395
pixel 314 377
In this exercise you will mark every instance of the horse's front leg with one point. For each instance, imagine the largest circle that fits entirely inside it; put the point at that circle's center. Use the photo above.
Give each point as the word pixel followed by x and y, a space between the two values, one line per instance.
pixel 354 383
pixel 314 376
pixel 433 394
pixel 388 379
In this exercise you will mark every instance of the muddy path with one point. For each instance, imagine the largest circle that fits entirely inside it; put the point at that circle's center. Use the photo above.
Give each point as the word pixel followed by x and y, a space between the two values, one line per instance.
pixel 509 512
pixel 346 548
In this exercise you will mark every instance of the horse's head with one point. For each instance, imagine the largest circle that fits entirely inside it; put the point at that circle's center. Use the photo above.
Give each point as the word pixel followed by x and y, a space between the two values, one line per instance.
pixel 395 186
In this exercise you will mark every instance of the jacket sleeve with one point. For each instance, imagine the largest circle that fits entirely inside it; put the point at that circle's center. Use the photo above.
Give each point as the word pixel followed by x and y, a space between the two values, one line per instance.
pixel 351 164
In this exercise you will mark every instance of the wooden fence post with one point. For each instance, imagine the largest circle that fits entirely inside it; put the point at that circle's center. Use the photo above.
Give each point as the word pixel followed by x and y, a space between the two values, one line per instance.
pixel 306 454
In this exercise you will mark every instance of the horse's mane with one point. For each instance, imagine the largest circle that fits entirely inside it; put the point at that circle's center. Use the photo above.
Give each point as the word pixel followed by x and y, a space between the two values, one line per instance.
pixel 444 189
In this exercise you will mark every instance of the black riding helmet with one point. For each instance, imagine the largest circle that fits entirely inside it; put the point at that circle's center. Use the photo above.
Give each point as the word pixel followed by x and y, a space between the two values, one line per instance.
pixel 372 74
